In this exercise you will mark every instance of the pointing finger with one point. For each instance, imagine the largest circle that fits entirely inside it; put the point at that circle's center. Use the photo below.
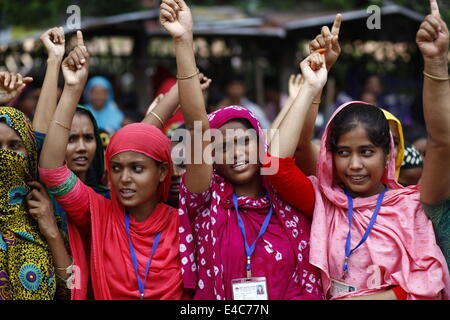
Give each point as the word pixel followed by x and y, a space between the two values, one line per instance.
pixel 337 25
pixel 80 39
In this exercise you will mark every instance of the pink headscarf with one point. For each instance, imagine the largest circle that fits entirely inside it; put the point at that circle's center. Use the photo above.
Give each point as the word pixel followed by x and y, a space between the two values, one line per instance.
pixel 217 219
pixel 401 249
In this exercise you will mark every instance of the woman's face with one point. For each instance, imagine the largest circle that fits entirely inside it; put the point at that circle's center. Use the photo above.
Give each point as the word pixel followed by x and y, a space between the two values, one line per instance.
pixel 28 104
pixel 135 178
pixel 10 140
pixel 359 164
pixel 82 145
pixel 99 96
pixel 239 154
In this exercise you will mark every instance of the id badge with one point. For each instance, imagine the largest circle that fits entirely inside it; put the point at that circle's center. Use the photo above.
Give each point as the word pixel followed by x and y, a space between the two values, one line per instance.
pixel 249 289
pixel 338 288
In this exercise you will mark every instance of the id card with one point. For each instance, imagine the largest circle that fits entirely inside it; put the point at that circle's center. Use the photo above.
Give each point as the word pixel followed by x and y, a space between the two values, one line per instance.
pixel 338 287
pixel 249 289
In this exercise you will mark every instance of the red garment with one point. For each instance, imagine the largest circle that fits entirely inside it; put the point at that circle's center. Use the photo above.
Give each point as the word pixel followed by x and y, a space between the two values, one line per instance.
pixel 111 268
pixel 175 121
pixel 292 185
pixel 400 293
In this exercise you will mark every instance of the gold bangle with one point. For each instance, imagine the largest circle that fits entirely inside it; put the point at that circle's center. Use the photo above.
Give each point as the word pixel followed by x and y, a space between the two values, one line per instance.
pixel 188 77
pixel 60 124
pixel 68 270
pixel 435 78
pixel 316 102
pixel 157 117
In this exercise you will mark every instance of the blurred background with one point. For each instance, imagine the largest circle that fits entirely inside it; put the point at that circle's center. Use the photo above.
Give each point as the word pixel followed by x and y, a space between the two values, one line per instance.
pixel 249 48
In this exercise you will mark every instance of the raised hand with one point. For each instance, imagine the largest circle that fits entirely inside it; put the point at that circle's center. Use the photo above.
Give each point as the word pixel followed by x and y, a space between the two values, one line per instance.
pixel 314 78
pixel 54 42
pixel 328 40
pixel 205 82
pixel 41 209
pixel 295 82
pixel 433 35
pixel 176 18
pixel 76 65
pixel 11 84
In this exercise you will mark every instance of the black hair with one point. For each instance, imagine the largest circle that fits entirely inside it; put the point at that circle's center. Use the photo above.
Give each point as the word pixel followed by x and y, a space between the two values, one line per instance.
pixel 370 117
pixel 245 122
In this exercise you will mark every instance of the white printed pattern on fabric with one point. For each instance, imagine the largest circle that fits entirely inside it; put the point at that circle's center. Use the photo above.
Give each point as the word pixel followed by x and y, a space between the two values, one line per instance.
pixel 208 221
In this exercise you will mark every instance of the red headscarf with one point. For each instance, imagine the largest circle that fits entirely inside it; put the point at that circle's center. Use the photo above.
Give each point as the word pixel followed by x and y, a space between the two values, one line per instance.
pixel 145 139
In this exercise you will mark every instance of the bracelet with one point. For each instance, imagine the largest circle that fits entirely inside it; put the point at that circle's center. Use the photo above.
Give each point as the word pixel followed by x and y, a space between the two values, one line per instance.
pixel 157 117
pixel 61 125
pixel 316 102
pixel 188 77
pixel 435 78
pixel 68 270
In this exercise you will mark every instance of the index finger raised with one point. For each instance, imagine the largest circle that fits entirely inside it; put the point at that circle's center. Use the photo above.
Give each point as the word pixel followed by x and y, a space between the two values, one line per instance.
pixel 337 24
pixel 434 7
pixel 80 40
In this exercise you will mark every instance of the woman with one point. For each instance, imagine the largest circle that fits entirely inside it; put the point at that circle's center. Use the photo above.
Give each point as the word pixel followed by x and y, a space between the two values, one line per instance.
pixel 234 203
pixel 99 99
pixel 26 265
pixel 390 252
pixel 433 40
pixel 130 225
pixel 412 166
pixel 84 157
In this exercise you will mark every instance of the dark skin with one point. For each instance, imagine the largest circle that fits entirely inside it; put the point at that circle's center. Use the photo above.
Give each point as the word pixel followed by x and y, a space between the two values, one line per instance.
pixel 135 179
pixel 245 178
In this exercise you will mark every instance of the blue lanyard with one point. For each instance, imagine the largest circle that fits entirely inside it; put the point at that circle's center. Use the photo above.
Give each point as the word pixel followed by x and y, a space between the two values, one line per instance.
pixel 141 283
pixel 349 252
pixel 250 249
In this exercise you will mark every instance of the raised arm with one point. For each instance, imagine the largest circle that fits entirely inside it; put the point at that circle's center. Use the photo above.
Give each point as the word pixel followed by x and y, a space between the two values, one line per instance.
pixel 176 18
pixel 291 126
pixel 433 40
pixel 294 84
pixel 54 42
pixel 11 85
pixel 75 70
pixel 307 152
pixel 41 209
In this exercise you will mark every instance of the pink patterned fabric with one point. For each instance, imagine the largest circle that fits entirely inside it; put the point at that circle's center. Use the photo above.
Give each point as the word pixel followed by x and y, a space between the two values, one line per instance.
pixel 401 249
pixel 281 255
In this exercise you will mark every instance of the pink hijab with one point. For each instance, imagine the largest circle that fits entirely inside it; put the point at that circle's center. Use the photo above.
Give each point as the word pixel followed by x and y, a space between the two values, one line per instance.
pixel 289 231
pixel 401 249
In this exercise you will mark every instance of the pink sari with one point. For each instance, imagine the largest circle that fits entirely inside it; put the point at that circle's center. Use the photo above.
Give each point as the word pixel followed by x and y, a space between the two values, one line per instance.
pixel 281 255
pixel 401 249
